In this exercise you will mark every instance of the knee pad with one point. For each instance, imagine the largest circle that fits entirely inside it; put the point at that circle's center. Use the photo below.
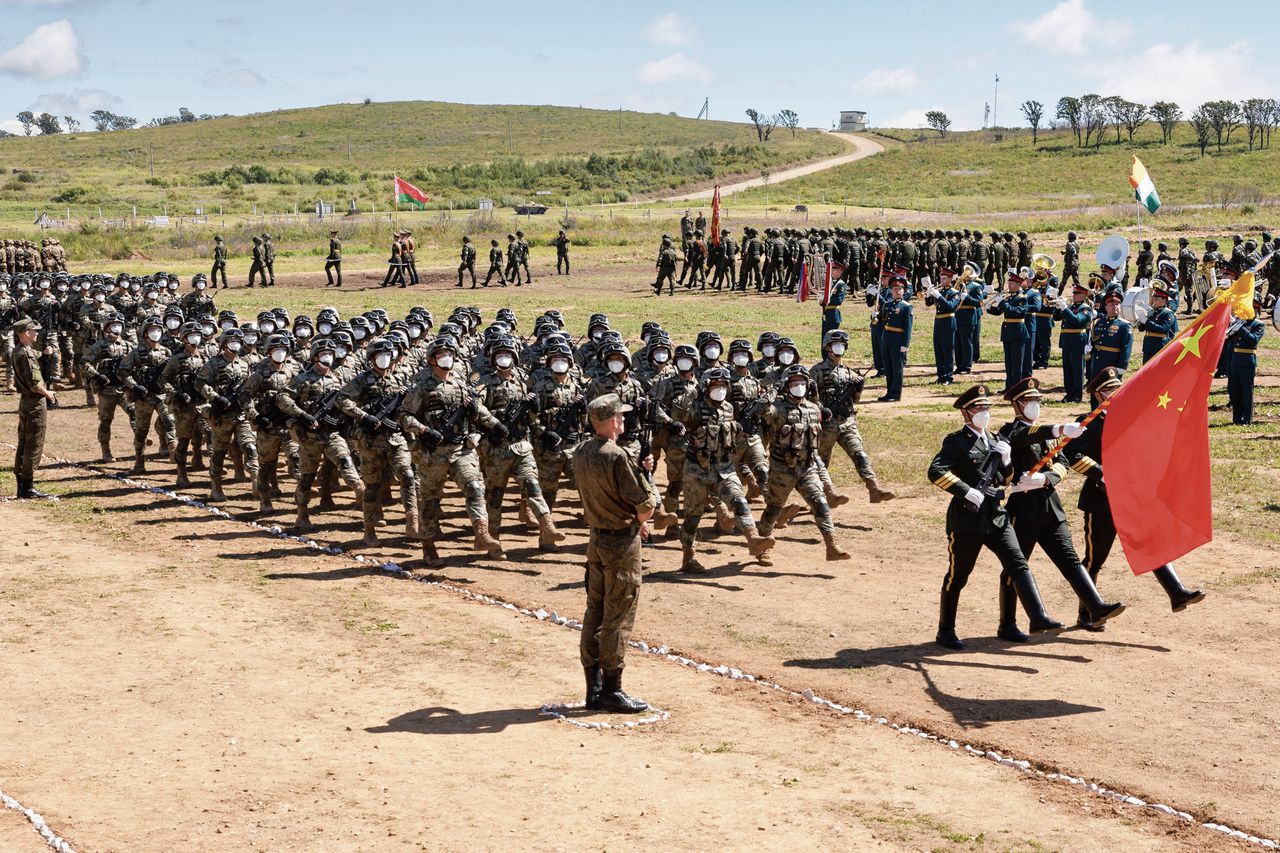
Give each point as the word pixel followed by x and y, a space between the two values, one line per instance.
pixel 741 508
pixel 475 489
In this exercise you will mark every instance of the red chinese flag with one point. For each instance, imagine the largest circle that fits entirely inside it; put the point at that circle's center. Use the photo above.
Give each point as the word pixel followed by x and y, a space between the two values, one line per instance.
pixel 802 291
pixel 714 236
pixel 1156 444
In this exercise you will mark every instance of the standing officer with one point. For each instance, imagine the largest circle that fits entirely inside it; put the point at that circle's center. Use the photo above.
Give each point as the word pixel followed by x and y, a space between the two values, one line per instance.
pixel 33 402
pixel 1161 324
pixel 1112 338
pixel 968 316
pixel 973 466
pixel 562 253
pixel 666 266
pixel 1074 320
pixel 1186 269
pixel 1146 262
pixel 752 248
pixel 495 264
pixel 1245 335
pixel 1071 260
pixel 946 301
pixel 258 268
pixel 831 316
pixel 727 263
pixel 334 261
pixel 896 337
pixel 219 261
pixel 1041 319
pixel 1013 309
pixel 616 503
pixel 269 259
pixel 1085 455
pixel 467 262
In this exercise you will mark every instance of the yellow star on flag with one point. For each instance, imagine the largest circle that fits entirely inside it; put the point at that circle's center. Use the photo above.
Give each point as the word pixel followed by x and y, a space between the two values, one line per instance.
pixel 1163 400
pixel 1191 343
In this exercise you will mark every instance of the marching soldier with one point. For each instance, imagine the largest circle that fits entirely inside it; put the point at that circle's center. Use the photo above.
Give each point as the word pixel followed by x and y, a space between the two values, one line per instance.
pixel 1186 270
pixel 178 379
pixel 1026 248
pixel 726 265
pixel 946 301
pixel 219 261
pixel 468 263
pixel 258 268
pixel 265 387
pixel 1244 336
pixel 895 339
pixel 1085 455
pixel 562 253
pixel 101 363
pixel 752 248
pixel 220 381
pixel 33 401
pixel 269 259
pixel 1161 323
pixel 1036 513
pixel 562 412
pixel 839 389
pixel 1071 261
pixel 139 374
pixel 666 266
pixel 495 264
pixel 409 254
pixel 1112 339
pixel 513 260
pixel 333 263
pixel 1146 261
pixel 666 398
pixel 696 259
pixel 973 466
pixel 1074 320
pixel 522 256
pixel 749 398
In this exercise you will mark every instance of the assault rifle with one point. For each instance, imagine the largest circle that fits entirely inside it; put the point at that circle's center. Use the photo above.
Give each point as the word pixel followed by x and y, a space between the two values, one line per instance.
pixel 384 411
pixel 327 413
pixel 515 415
pixel 107 369
pixel 450 426
pixel 145 381
pixel 748 414
pixel 988 474
pixel 841 400
pixel 566 421
pixel 232 395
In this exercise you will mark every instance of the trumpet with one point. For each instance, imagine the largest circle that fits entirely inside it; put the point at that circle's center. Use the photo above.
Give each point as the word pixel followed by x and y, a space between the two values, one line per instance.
pixel 1042 265
pixel 968 274
pixel 993 299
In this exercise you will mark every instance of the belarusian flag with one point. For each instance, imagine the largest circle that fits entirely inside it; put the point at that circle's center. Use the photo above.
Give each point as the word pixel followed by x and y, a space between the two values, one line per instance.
pixel 714 237
pixel 1143 190
pixel 403 191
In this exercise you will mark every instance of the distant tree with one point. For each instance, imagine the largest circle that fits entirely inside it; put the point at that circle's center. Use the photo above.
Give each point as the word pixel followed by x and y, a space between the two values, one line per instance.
pixel 764 124
pixel 1203 127
pixel 1134 116
pixel 1224 117
pixel 938 120
pixel 1167 114
pixel 1114 107
pixel 48 124
pixel 1273 118
pixel 1034 111
pixel 368 101
pixel 789 119
pixel 1093 118
pixel 1256 113
pixel 73 124
pixel 1069 112
pixel 27 119
pixel 123 122
pixel 185 115
pixel 101 120
pixel 4 134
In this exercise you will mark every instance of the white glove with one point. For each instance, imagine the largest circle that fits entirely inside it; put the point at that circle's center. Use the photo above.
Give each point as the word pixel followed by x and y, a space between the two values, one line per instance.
pixel 974 497
pixel 1071 430
pixel 902 349
pixel 1088 348
pixel 1002 447
pixel 1028 482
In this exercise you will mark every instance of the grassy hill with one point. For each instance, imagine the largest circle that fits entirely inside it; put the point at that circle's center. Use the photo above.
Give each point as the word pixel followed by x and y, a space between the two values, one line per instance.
pixel 973 173
pixel 457 153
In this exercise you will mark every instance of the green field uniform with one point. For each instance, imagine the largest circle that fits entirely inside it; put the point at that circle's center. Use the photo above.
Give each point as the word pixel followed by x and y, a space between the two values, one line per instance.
pixel 560 414
pixel 794 434
pixel 101 362
pixel 220 378
pixel 512 455
pixel 302 400
pixel 139 374
pixel 32 416
pixel 384 453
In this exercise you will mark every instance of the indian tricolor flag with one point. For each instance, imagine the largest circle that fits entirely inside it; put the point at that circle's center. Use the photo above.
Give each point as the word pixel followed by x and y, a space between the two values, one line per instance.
pixel 403 191
pixel 1143 190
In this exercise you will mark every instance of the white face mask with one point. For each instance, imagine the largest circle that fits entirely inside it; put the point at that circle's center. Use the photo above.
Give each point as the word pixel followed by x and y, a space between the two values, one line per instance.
pixel 199 285
pixel 741 359
pixel 152 295
pixel 227 324
pixel 279 355
pixel 115 328
pixel 154 334
pixel 1031 411
pixel 207 329
pixel 233 346
pixel 712 352
pixel 302 332
pixel 617 366
pixel 326 328
pixel 358 333
pixel 837 349
pixel 326 359
pixel 597 334
pixel 383 360
pixel 194 340
pixel 559 365
pixel 341 352
pixel 981 419
pixel 444 362
pixel 797 389
pixel 172 323
pixel 97 297
pixel 266 327
pixel 661 356
pixel 251 338
pixel 684 365
pixel 718 393
pixel 415 332
pixel 786 357
pixel 173 285
pixel 503 360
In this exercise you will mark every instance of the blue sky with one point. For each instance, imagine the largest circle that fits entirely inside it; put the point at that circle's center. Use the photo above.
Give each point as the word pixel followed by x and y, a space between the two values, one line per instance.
pixel 146 58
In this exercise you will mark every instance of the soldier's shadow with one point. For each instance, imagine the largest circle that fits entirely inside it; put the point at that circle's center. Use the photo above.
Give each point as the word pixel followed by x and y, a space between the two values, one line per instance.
pixel 910 656
pixel 448 721
pixel 980 713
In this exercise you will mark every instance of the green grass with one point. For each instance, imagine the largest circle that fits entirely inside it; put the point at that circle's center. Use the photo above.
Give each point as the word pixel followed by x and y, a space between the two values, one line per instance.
pixel 456 153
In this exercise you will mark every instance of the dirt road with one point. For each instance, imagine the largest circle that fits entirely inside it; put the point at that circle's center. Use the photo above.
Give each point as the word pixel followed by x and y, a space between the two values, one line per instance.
pixel 863 147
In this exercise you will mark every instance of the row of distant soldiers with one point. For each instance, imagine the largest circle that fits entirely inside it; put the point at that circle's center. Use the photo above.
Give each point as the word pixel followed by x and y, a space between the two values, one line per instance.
pixel 25 256
pixel 262 270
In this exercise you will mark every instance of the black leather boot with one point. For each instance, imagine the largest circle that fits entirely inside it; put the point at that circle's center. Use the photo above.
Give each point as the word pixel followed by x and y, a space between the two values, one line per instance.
pixel 24 489
pixel 1008 629
pixel 947 622
pixel 1082 616
pixel 1090 600
pixel 614 700
pixel 594 686
pixel 1179 596
pixel 1024 583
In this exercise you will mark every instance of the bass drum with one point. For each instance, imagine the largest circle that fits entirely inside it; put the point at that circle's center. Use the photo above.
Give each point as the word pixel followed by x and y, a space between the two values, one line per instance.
pixel 1275 316
pixel 1136 304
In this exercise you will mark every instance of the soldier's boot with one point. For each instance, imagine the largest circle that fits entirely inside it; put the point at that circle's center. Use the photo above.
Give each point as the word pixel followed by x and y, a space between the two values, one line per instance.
pixel 614 700
pixel 216 495
pixel 263 490
pixel 834 498
pixel 485 541
pixel 1008 629
pixel 1179 596
pixel 662 519
pixel 526 515
pixel 273 478
pixel 690 564
pixel 877 494
pixel 430 556
pixel 1024 583
pixel 302 500
pixel 946 636
pixel 180 460
pixel 594 686
pixel 371 511
pixel 89 398
pixel 409 492
pixel 758 546
pixel 326 493
pixel 1090 600
pixel 788 513
pixel 753 485
pixel 106 450
pixel 197 455
pixel 725 522
pixel 139 458
pixel 834 551
pixel 292 466
pixel 237 463
pixel 370 532
pixel 548 535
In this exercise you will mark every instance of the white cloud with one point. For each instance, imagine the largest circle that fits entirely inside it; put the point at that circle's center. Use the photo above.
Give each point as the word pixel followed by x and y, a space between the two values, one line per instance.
pixel 233 78
pixel 49 51
pixel 76 102
pixel 676 68
pixel 11 125
pixel 669 30
pixel 908 118
pixel 888 81
pixel 1188 74
pixel 1071 29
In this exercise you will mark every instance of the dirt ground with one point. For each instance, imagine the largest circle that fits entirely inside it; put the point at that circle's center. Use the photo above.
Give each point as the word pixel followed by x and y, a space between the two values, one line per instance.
pixel 175 680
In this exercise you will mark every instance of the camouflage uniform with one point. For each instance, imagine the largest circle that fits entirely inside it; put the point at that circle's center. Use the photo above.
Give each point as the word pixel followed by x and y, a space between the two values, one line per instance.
pixel 839 388
pixel 561 413
pixel 384 453
pixel 32 417
pixel 139 374
pixel 100 365
pixel 178 379
pixel 219 378
pixel 512 455
pixel 318 440
pixel 264 389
